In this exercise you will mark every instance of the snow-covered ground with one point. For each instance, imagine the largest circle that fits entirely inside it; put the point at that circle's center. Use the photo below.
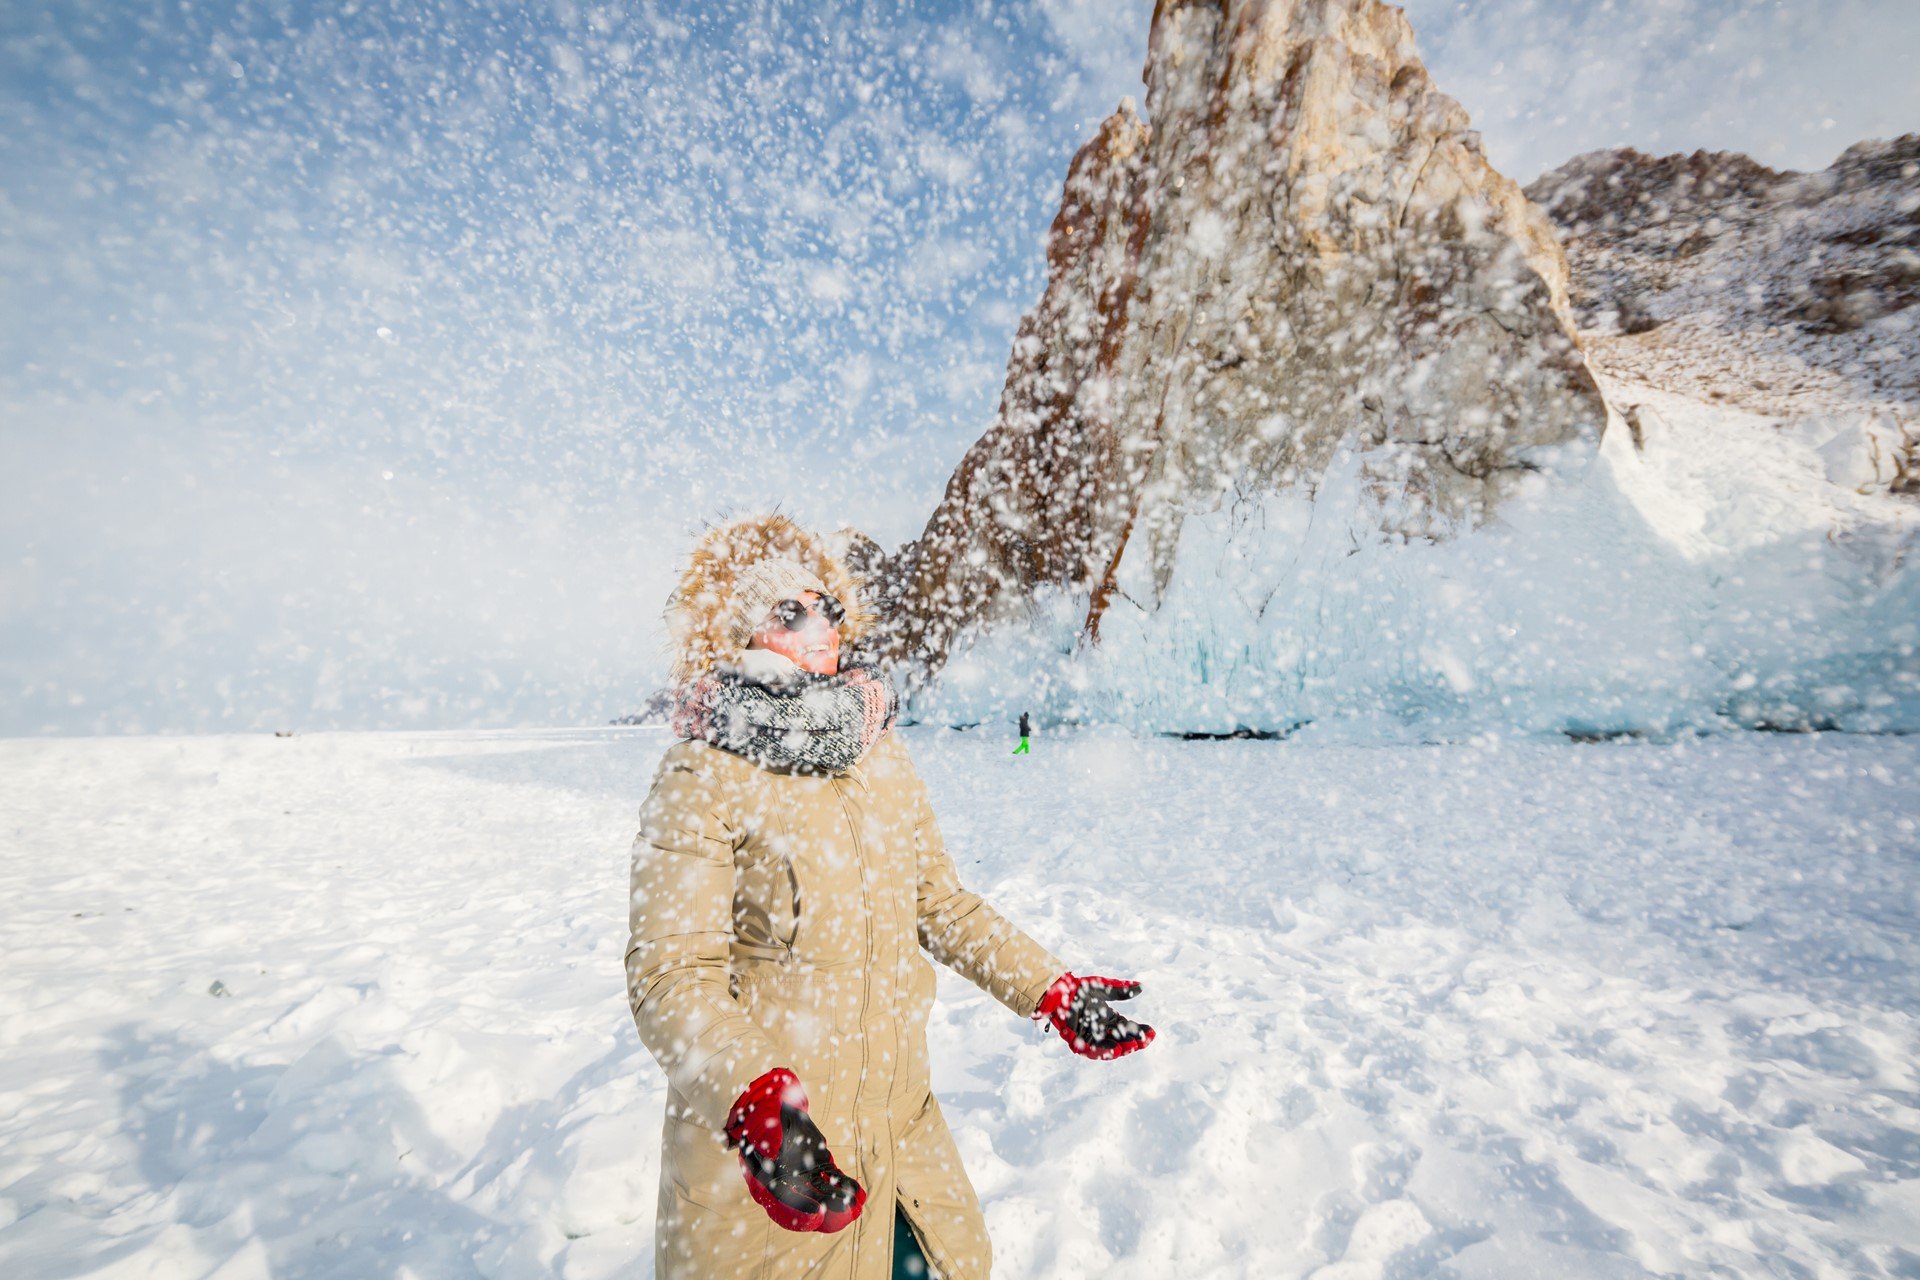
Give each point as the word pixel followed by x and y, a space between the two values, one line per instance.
pixel 1512 1008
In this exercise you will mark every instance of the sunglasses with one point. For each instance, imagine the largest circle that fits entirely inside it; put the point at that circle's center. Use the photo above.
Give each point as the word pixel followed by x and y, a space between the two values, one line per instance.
pixel 793 614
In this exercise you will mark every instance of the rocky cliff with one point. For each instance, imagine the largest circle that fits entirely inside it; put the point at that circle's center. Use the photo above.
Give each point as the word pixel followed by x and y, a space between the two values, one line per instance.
pixel 1786 294
pixel 1306 259
pixel 1302 435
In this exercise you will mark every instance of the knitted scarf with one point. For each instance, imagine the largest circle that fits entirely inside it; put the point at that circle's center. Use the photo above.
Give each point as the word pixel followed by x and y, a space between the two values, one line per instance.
pixel 804 724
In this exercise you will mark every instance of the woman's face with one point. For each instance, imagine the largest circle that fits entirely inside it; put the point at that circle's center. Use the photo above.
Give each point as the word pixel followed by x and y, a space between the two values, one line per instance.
pixel 813 646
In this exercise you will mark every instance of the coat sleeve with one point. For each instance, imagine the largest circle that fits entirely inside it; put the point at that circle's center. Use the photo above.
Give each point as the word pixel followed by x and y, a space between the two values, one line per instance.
pixel 960 930
pixel 681 920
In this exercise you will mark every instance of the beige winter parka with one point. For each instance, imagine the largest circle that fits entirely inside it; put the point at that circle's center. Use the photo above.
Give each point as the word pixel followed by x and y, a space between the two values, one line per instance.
pixel 779 920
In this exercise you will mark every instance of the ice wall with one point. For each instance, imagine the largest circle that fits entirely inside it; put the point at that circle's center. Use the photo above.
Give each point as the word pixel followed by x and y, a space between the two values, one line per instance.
pixel 1713 577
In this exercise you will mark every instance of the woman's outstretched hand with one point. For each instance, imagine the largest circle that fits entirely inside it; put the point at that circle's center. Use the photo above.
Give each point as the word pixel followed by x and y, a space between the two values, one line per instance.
pixel 1080 1011
pixel 789 1171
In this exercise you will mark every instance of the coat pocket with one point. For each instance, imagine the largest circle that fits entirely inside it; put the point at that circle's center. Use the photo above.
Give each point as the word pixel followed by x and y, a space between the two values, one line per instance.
pixel 699 1167
pixel 766 900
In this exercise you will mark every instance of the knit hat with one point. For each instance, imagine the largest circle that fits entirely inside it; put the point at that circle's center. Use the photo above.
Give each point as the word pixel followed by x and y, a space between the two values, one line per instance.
pixel 759 587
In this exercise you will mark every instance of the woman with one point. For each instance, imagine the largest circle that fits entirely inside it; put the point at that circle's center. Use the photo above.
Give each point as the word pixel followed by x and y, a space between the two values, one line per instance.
pixel 787 865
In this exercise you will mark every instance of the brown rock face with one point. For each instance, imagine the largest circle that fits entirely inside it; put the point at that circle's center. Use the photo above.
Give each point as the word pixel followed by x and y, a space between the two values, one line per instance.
pixel 1036 497
pixel 1713 276
pixel 1308 255
pixel 1611 196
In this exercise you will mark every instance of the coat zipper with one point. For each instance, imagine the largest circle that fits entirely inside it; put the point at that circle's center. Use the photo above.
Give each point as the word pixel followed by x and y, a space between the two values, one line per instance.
pixel 866 907
pixel 866 985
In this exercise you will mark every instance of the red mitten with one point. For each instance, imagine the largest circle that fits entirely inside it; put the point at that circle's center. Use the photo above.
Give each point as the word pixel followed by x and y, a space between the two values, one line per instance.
pixel 789 1171
pixel 1079 1010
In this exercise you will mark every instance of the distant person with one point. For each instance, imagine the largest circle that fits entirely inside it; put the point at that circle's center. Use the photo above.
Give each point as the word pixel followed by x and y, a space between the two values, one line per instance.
pixel 1026 730
pixel 787 872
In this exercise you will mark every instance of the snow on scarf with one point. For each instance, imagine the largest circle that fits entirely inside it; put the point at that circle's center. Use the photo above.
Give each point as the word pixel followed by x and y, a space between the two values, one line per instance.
pixel 803 723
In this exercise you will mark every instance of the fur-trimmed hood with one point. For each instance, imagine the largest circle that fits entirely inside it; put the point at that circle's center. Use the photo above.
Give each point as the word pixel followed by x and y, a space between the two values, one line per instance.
pixel 701 612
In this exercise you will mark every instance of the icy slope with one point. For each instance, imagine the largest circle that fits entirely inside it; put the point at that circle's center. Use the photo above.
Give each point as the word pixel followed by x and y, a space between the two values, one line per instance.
pixel 1503 1010
pixel 1712 575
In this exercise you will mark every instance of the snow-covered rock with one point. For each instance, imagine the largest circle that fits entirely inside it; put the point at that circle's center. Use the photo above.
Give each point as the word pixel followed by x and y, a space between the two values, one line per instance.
pixel 1782 293
pixel 1307 256
pixel 1871 453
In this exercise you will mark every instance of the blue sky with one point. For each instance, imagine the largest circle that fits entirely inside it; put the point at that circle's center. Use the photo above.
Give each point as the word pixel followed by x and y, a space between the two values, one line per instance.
pixel 370 368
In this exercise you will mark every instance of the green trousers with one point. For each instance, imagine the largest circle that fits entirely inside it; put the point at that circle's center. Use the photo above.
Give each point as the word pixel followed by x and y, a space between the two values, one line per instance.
pixel 908 1262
